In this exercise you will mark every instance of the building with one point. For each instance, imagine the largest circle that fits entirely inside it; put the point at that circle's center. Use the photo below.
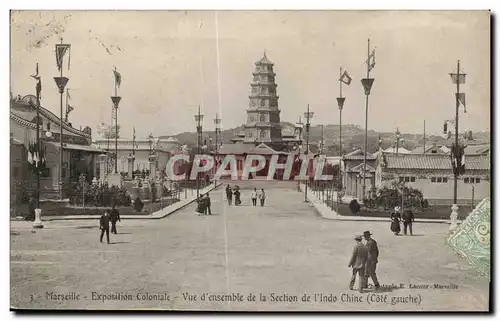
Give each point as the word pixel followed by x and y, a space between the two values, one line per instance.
pixel 353 165
pixel 162 147
pixel 263 115
pixel 432 174
pixel 79 157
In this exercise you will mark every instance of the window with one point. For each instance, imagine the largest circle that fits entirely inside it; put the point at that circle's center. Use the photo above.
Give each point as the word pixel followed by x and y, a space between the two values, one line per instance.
pixel 466 180
pixel 262 117
pixel 263 103
pixel 401 179
pixel 439 179
pixel 412 179
pixel 407 179
pixel 262 134
pixel 48 126
pixel 445 179
pixel 433 179
pixel 478 180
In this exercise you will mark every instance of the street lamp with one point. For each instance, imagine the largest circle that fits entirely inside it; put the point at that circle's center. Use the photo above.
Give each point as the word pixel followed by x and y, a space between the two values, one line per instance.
pixel 456 151
pixel 308 115
pixel 199 129
pixel 217 122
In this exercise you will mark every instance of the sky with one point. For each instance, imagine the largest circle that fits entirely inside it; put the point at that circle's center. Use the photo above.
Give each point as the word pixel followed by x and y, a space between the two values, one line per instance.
pixel 172 61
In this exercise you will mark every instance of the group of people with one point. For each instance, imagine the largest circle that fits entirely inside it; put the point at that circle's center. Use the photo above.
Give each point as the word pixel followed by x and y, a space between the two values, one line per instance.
pixel 204 205
pixel 110 216
pixel 407 220
pixel 261 195
pixel 364 261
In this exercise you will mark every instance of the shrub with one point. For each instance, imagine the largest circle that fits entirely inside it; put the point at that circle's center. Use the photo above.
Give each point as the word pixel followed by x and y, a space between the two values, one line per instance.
pixel 388 197
pixel 97 195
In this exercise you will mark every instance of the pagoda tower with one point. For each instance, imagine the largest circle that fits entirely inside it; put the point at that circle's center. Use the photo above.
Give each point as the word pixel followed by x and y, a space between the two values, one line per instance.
pixel 263 116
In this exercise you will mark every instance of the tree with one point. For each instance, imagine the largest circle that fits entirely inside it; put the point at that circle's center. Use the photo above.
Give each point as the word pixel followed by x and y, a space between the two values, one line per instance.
pixel 389 197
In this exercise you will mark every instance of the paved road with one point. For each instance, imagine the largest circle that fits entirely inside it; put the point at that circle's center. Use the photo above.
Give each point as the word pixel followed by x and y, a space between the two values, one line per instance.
pixel 284 248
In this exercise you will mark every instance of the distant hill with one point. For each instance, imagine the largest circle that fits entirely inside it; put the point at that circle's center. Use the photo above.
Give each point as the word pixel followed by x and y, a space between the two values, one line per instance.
pixel 352 138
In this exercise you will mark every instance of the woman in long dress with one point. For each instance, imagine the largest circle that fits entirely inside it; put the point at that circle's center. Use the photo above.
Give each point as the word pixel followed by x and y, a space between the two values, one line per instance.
pixel 395 221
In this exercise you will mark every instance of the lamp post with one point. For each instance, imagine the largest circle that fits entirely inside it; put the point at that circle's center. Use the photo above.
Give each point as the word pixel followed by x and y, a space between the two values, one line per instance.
pixel 457 165
pixel 116 101
pixel 61 83
pixel 367 85
pixel 298 129
pixel 199 129
pixel 308 115
pixel 217 122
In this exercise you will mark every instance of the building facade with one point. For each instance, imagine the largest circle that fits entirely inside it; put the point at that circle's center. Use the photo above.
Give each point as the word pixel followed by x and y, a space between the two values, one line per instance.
pixel 432 174
pixel 353 166
pixel 79 157
pixel 142 149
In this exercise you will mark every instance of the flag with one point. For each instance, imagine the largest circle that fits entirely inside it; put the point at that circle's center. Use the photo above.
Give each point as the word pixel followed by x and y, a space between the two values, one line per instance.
pixel 345 78
pixel 461 100
pixel 61 50
pixel 371 61
pixel 69 109
pixel 39 88
pixel 113 113
pixel 460 78
pixel 118 78
pixel 36 76
pixel 67 93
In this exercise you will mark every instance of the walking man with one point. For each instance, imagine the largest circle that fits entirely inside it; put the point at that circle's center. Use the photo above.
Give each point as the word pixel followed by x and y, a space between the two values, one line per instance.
pixel 229 195
pixel 371 261
pixel 253 196
pixel 262 197
pixel 114 216
pixel 358 262
pixel 408 219
pixel 104 225
pixel 207 204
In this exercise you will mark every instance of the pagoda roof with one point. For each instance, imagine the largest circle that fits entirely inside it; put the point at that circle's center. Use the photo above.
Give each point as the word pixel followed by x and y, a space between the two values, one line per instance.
pixel 264 61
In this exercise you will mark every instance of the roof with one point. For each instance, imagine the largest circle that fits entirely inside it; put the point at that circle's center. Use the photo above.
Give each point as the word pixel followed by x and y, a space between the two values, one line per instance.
pixel 227 149
pixel 264 60
pixel 432 161
pixel 358 154
pixel 477 149
pixel 400 150
pixel 442 149
pixel 359 168
pixel 86 148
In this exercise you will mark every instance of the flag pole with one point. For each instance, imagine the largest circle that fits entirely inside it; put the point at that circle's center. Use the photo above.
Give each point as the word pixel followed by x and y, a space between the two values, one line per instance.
pixel 366 120
pixel 116 128
pixel 424 136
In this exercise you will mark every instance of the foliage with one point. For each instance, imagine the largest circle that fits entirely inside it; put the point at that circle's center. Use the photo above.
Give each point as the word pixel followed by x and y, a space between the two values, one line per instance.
pixel 96 195
pixel 20 193
pixel 388 197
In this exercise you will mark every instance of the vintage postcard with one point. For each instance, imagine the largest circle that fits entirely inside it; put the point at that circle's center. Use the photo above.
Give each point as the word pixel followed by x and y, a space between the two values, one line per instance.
pixel 250 160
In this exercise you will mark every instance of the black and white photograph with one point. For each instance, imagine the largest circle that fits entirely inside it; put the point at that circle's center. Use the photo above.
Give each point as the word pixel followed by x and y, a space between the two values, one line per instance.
pixel 250 160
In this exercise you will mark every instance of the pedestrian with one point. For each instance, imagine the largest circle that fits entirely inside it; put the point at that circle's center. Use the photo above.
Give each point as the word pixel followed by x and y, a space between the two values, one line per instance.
pixel 354 206
pixel 200 208
pixel 408 219
pixel 371 260
pixel 207 204
pixel 253 196
pixel 395 221
pixel 104 225
pixel 229 195
pixel 114 216
pixel 358 263
pixel 237 196
pixel 262 197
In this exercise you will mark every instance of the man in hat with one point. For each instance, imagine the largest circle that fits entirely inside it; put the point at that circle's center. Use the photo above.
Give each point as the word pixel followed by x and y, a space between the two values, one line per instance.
pixel 371 260
pixel 408 219
pixel 104 225
pixel 358 262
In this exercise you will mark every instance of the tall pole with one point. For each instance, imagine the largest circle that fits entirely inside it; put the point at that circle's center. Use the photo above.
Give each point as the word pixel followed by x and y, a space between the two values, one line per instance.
pixel 61 83
pixel 367 84
pixel 424 136
pixel 397 140
pixel 457 104
pixel 308 116
pixel 217 131
pixel 199 129
pixel 116 131
pixel 39 149
pixel 340 103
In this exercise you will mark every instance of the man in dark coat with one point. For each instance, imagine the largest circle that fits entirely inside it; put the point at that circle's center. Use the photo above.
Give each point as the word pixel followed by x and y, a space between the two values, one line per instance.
pixel 229 195
pixel 354 206
pixel 104 225
pixel 207 202
pixel 114 216
pixel 358 262
pixel 372 260
pixel 408 219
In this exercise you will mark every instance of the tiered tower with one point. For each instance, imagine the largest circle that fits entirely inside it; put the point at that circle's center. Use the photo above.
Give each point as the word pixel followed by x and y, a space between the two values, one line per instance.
pixel 263 115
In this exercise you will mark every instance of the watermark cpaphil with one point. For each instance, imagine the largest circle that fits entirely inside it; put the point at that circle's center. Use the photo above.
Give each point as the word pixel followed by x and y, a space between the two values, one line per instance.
pixel 300 166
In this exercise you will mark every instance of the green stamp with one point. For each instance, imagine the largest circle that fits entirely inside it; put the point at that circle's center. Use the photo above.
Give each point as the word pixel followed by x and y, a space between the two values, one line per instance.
pixel 472 239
